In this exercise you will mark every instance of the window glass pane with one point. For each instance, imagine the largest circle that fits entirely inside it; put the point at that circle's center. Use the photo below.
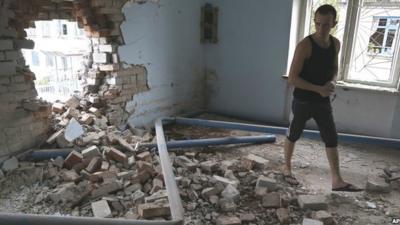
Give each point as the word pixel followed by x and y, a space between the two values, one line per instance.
pixel 374 40
pixel 382 22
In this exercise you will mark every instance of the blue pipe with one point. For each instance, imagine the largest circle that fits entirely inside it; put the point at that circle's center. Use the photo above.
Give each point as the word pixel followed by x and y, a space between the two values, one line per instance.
pixel 352 138
pixel 217 141
pixel 44 154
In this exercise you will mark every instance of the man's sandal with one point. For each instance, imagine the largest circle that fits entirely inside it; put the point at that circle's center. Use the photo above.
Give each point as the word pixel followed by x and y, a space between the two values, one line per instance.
pixel 348 188
pixel 290 179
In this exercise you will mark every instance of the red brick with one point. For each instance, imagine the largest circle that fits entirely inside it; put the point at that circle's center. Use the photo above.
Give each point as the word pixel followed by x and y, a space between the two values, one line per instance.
pixel 116 155
pixel 72 159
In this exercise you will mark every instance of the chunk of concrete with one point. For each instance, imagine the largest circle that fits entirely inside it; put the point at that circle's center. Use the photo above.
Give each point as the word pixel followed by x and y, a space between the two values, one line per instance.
pixel 312 202
pixel 10 164
pixel 254 161
pixel 266 182
pixel 228 220
pixel 307 221
pixel 231 192
pixel 283 215
pixel 377 184
pixel 101 209
pixel 325 217
pixel 272 200
pixel 73 130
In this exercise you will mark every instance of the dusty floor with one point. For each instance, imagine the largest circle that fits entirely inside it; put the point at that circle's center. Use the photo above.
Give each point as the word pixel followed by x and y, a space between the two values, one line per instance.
pixel 310 166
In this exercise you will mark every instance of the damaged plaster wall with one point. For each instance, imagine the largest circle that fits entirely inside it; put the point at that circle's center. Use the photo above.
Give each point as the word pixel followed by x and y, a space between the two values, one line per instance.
pixel 165 38
pixel 245 66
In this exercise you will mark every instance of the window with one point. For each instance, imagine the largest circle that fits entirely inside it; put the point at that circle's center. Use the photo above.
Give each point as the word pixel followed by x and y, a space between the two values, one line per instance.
pixel 369 33
pixel 49 60
pixel 35 58
pixel 383 33
pixel 64 29
pixel 45 28
pixel 209 24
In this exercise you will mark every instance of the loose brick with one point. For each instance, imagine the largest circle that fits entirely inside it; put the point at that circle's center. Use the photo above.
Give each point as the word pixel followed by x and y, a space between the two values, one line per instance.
pixel 151 210
pixel 91 152
pixel 58 107
pixel 72 102
pixel 144 156
pixel 72 159
pixel 116 155
pixel 69 175
pixel 252 160
pixel 94 165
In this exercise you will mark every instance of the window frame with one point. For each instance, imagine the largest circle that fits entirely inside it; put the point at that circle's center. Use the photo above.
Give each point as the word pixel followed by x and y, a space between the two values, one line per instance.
pixel 301 12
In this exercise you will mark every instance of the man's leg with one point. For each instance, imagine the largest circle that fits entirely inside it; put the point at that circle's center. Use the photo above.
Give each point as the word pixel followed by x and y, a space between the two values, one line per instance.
pixel 333 158
pixel 301 114
pixel 324 118
pixel 288 153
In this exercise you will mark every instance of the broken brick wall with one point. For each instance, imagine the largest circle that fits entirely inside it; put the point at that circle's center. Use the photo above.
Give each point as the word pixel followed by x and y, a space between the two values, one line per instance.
pixel 165 38
pixel 23 121
pixel 109 83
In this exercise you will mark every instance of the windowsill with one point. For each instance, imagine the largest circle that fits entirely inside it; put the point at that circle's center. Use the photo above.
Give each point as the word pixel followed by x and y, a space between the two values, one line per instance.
pixel 353 86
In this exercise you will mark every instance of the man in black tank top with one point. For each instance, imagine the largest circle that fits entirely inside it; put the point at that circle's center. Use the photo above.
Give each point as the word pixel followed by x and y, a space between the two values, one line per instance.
pixel 313 74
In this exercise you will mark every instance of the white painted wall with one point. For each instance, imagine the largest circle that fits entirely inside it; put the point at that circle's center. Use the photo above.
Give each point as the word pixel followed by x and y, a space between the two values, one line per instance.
pixel 365 112
pixel 244 67
pixel 249 59
pixel 165 37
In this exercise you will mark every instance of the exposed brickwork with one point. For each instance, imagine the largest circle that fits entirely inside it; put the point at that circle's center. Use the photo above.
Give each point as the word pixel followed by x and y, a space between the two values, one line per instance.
pixel 109 84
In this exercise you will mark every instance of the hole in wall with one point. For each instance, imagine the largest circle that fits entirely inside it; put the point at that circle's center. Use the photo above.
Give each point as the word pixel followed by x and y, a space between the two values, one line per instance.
pixel 58 58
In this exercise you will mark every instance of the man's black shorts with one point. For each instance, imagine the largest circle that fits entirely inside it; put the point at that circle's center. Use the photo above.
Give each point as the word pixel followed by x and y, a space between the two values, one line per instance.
pixel 321 112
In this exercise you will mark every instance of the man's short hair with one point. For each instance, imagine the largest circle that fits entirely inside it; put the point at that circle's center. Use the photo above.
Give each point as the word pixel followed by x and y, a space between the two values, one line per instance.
pixel 326 10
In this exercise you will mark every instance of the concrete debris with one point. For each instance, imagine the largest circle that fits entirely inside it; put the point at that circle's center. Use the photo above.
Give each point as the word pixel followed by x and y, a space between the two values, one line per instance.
pixel 73 130
pixel 10 164
pixel 225 220
pixel 377 184
pixel 312 202
pixel 307 221
pixel 101 209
